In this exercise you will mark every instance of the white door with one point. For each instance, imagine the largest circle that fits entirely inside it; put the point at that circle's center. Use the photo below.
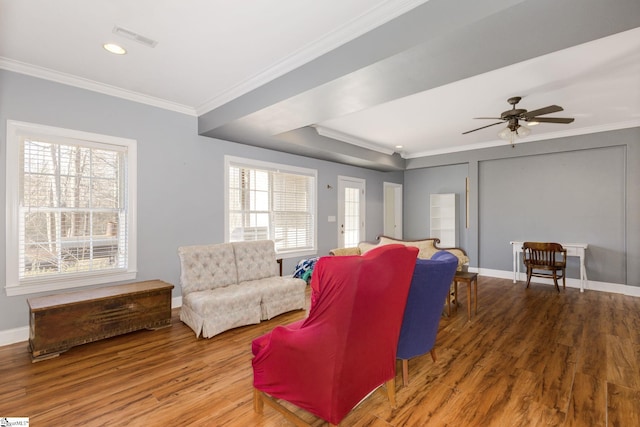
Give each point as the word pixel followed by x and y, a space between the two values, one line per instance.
pixel 351 213
pixel 392 210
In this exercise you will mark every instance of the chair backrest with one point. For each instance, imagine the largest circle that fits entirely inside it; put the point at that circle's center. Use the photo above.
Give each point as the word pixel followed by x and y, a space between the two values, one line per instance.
pixel 543 254
pixel 429 286
pixel 346 347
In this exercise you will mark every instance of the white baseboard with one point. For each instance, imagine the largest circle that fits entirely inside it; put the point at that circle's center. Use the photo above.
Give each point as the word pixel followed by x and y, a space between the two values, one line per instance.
pixel 12 336
pixel 592 285
pixel 16 335
pixel 176 302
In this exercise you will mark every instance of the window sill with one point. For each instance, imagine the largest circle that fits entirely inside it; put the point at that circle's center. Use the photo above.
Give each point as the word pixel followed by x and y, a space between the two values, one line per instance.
pixel 297 254
pixel 67 283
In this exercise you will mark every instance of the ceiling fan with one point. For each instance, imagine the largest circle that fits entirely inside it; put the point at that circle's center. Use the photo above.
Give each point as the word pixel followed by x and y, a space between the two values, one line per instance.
pixel 512 117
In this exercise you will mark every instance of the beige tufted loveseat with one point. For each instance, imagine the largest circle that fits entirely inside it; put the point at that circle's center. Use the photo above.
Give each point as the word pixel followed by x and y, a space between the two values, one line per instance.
pixel 427 247
pixel 228 285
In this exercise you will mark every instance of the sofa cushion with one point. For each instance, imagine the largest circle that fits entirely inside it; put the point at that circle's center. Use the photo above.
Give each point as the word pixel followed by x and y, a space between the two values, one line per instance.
pixel 278 294
pixel 207 267
pixel 213 311
pixel 255 260
pixel 426 247
pixel 219 302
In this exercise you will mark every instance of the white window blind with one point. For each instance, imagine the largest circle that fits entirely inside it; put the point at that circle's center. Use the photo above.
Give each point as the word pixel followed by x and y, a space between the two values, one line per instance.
pixel 269 201
pixel 72 208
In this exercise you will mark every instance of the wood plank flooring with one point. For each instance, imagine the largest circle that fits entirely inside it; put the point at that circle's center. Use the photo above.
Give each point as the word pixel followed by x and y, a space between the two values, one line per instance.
pixel 531 357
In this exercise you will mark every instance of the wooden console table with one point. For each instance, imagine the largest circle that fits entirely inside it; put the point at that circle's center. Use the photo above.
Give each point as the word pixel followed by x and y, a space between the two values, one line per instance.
pixel 59 322
pixel 573 249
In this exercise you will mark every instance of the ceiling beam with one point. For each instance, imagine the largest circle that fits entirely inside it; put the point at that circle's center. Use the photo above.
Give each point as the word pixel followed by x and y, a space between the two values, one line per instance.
pixel 438 42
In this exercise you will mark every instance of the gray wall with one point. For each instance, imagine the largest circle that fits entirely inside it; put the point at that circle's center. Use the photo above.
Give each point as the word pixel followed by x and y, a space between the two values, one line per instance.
pixel 564 197
pixel 420 184
pixel 180 175
pixel 580 189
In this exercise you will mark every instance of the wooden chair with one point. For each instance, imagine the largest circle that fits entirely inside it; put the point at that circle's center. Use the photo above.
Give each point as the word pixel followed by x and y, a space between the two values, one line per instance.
pixel 551 258
pixel 429 286
pixel 329 362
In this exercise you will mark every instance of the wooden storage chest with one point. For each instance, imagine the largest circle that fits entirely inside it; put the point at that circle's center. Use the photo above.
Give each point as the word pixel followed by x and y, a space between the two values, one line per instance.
pixel 59 322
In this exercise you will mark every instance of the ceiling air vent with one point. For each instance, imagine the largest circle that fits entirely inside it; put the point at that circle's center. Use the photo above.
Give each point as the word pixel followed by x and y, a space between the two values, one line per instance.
pixel 134 36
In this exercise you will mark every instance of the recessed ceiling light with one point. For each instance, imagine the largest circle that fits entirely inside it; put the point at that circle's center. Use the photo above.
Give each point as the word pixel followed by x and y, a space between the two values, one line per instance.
pixel 399 147
pixel 114 48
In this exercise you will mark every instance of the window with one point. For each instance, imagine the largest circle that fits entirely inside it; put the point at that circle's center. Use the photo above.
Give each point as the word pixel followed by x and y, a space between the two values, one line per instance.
pixel 70 208
pixel 271 201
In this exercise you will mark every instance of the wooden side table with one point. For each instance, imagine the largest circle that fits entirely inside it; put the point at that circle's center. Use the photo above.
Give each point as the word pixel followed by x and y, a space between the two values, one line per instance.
pixel 469 279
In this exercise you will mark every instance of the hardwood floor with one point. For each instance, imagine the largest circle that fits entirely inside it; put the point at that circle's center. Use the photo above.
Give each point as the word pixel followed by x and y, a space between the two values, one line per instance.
pixel 530 357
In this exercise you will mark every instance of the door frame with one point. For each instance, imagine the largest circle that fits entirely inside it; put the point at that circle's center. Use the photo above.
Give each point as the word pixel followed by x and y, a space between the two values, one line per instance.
pixel 343 182
pixel 396 208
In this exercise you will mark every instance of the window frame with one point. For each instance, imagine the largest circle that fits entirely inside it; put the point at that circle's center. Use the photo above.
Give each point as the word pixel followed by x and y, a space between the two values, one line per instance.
pixel 14 285
pixel 273 167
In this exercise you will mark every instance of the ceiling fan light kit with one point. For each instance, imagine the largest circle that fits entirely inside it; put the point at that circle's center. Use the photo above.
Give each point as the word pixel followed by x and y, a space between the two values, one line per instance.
pixel 514 129
pixel 510 133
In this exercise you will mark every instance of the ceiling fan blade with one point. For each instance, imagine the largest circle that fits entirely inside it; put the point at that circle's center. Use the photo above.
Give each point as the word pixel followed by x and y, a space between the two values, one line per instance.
pixel 493 124
pixel 546 110
pixel 552 120
pixel 488 118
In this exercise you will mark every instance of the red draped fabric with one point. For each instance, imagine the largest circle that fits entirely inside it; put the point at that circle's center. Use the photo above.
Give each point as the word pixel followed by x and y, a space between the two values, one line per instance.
pixel 346 347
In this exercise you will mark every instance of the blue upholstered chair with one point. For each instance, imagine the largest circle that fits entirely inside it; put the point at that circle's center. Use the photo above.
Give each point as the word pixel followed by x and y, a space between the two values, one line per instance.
pixel 431 281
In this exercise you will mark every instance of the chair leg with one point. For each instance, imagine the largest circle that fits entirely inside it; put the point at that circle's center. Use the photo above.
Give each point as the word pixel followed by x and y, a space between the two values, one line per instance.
pixel 455 294
pixel 391 391
pixel 433 354
pixel 564 282
pixel 405 372
pixel 258 403
pixel 528 276
pixel 555 280
pixel 275 404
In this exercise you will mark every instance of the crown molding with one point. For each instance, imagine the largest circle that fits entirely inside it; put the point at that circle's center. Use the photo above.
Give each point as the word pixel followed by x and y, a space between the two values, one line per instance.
pixel 607 127
pixel 366 22
pixel 531 138
pixel 71 80
pixel 375 17
pixel 350 139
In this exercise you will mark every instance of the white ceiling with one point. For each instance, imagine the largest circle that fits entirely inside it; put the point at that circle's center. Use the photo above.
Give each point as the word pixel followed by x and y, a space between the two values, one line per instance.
pixel 210 52
pixel 597 83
